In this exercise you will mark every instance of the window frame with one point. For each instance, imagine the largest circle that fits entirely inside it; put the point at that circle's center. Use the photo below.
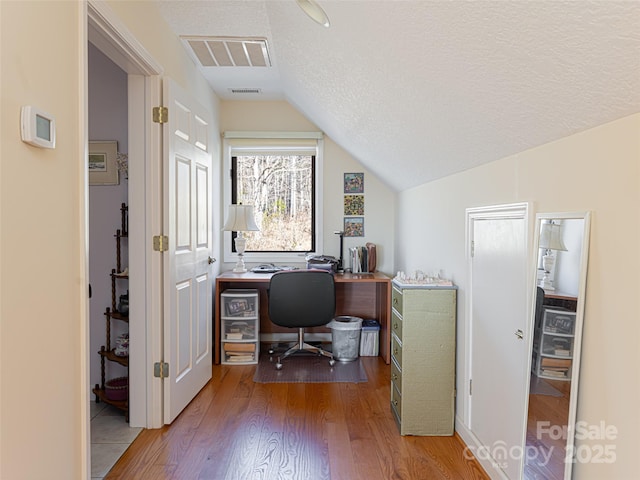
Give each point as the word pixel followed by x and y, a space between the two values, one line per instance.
pixel 269 143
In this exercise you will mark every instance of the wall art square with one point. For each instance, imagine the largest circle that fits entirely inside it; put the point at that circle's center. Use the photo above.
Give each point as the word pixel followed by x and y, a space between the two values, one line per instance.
pixel 102 163
pixel 354 227
pixel 354 183
pixel 354 204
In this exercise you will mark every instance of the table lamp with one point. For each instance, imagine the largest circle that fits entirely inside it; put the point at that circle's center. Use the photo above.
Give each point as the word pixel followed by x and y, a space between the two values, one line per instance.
pixel 240 219
pixel 550 239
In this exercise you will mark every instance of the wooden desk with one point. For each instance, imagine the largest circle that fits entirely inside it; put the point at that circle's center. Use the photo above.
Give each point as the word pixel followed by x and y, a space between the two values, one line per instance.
pixel 554 298
pixel 359 295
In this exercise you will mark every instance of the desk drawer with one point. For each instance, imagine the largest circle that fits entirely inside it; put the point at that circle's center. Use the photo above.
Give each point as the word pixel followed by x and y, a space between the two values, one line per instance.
pixel 396 299
pixel 396 324
pixel 396 350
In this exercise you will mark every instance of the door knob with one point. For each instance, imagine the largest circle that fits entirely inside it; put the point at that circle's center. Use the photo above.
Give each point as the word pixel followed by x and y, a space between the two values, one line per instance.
pixel 519 333
pixel 211 260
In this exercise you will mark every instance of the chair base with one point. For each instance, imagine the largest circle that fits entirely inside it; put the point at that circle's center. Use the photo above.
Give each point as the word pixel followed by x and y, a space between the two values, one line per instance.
pixel 302 346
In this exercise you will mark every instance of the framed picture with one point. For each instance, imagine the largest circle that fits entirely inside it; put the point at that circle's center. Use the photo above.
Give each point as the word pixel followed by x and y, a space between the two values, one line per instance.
pixel 354 204
pixel 354 227
pixel 102 163
pixel 354 183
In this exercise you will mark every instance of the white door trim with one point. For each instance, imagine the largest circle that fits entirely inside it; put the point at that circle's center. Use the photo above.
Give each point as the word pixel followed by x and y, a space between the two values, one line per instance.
pixel 107 32
pixel 506 211
pixel 492 211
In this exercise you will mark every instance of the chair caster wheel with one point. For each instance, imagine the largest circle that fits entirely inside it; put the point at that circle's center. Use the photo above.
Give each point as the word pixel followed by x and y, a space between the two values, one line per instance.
pixel 271 351
pixel 278 366
pixel 332 362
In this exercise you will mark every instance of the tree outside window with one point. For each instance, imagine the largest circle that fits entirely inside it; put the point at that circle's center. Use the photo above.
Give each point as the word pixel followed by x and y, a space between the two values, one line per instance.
pixel 281 189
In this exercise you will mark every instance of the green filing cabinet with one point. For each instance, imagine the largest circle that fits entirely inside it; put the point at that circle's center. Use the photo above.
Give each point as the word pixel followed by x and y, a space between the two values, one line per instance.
pixel 423 350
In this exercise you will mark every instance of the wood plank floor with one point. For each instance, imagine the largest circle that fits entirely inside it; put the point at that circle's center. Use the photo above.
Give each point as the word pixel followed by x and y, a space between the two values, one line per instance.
pixel 555 411
pixel 236 429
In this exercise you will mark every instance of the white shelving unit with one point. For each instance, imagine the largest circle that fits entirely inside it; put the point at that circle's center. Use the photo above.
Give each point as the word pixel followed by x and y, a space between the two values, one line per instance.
pixel 553 344
pixel 240 326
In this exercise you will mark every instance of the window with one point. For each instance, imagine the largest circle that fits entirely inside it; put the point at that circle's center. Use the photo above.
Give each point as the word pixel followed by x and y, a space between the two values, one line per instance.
pixel 281 178
pixel 281 190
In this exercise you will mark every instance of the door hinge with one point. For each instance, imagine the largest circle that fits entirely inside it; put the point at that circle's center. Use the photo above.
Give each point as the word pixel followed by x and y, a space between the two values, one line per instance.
pixel 161 370
pixel 160 243
pixel 160 114
pixel 473 247
pixel 470 386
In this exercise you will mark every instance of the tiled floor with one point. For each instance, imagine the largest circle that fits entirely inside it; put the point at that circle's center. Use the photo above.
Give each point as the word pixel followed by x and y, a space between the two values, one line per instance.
pixel 110 437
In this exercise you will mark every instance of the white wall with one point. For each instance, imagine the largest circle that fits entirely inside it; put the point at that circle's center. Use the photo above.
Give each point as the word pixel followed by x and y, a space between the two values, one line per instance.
pixel 567 277
pixel 43 281
pixel 44 341
pixel 379 200
pixel 596 170
pixel 108 111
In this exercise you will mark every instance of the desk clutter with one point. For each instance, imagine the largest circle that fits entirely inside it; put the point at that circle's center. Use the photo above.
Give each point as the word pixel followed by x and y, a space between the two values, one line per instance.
pixel 363 259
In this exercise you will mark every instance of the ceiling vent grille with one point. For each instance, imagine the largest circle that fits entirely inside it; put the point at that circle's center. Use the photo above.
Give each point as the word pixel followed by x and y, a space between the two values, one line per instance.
pixel 244 90
pixel 228 52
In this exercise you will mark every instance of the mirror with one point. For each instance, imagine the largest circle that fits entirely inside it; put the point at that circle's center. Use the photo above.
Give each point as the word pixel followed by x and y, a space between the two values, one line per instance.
pixel 561 252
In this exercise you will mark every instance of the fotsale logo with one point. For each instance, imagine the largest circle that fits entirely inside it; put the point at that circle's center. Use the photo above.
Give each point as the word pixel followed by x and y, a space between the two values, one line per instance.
pixel 594 443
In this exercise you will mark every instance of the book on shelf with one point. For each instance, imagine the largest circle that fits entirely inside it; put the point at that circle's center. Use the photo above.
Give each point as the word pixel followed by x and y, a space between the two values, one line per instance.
pixel 562 352
pixel 234 336
pixel 551 372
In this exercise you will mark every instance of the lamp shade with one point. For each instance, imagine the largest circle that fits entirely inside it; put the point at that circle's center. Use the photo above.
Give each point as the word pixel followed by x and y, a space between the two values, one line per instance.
pixel 240 219
pixel 551 237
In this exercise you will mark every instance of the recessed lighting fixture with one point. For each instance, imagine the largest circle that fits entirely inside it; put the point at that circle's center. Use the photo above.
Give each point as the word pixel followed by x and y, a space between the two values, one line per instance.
pixel 315 12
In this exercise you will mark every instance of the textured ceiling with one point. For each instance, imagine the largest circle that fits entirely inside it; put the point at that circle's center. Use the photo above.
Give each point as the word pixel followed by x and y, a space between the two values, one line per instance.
pixel 418 90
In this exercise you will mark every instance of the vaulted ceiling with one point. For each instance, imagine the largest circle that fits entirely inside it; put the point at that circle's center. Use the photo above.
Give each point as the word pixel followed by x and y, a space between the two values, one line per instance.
pixel 417 90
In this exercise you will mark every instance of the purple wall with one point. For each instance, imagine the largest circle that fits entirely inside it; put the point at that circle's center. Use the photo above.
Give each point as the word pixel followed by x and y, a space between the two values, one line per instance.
pixel 107 121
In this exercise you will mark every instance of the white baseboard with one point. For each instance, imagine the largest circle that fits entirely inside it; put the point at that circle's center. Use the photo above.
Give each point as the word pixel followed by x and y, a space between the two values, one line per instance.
pixel 469 438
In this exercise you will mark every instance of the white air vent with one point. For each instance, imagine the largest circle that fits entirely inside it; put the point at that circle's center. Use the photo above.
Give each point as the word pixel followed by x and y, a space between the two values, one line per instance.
pixel 245 90
pixel 228 52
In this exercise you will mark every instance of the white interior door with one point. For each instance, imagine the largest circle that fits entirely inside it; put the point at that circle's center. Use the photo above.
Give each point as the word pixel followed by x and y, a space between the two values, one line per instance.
pixel 498 354
pixel 188 225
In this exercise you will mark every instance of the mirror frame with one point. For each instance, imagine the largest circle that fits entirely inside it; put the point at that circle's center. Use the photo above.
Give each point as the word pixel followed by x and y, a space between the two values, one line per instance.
pixel 577 339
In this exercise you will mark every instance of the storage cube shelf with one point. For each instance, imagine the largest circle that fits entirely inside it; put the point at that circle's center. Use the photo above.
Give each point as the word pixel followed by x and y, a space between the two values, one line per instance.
pixel 553 344
pixel 240 323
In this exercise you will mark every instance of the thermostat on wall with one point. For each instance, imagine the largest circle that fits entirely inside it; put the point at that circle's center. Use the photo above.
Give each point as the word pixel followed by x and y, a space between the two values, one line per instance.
pixel 38 127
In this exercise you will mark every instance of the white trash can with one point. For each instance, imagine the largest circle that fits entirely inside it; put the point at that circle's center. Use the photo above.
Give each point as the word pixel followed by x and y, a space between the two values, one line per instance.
pixel 345 337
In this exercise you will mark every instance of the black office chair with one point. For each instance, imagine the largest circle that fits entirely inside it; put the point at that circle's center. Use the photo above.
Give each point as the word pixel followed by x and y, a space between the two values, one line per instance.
pixel 539 306
pixel 300 299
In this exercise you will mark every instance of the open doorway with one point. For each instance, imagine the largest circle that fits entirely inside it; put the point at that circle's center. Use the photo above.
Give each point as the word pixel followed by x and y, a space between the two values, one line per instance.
pixel 108 261
pixel 127 82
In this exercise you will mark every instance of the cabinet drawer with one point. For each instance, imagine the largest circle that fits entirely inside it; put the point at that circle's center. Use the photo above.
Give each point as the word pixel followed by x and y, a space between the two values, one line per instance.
pixel 396 350
pixel 237 330
pixel 558 321
pixel 239 303
pixel 240 352
pixel 396 376
pixel 396 402
pixel 396 299
pixel 396 325
pixel 557 345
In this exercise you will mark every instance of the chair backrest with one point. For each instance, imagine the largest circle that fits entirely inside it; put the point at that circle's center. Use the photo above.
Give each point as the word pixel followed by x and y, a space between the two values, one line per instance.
pixel 302 298
pixel 539 307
